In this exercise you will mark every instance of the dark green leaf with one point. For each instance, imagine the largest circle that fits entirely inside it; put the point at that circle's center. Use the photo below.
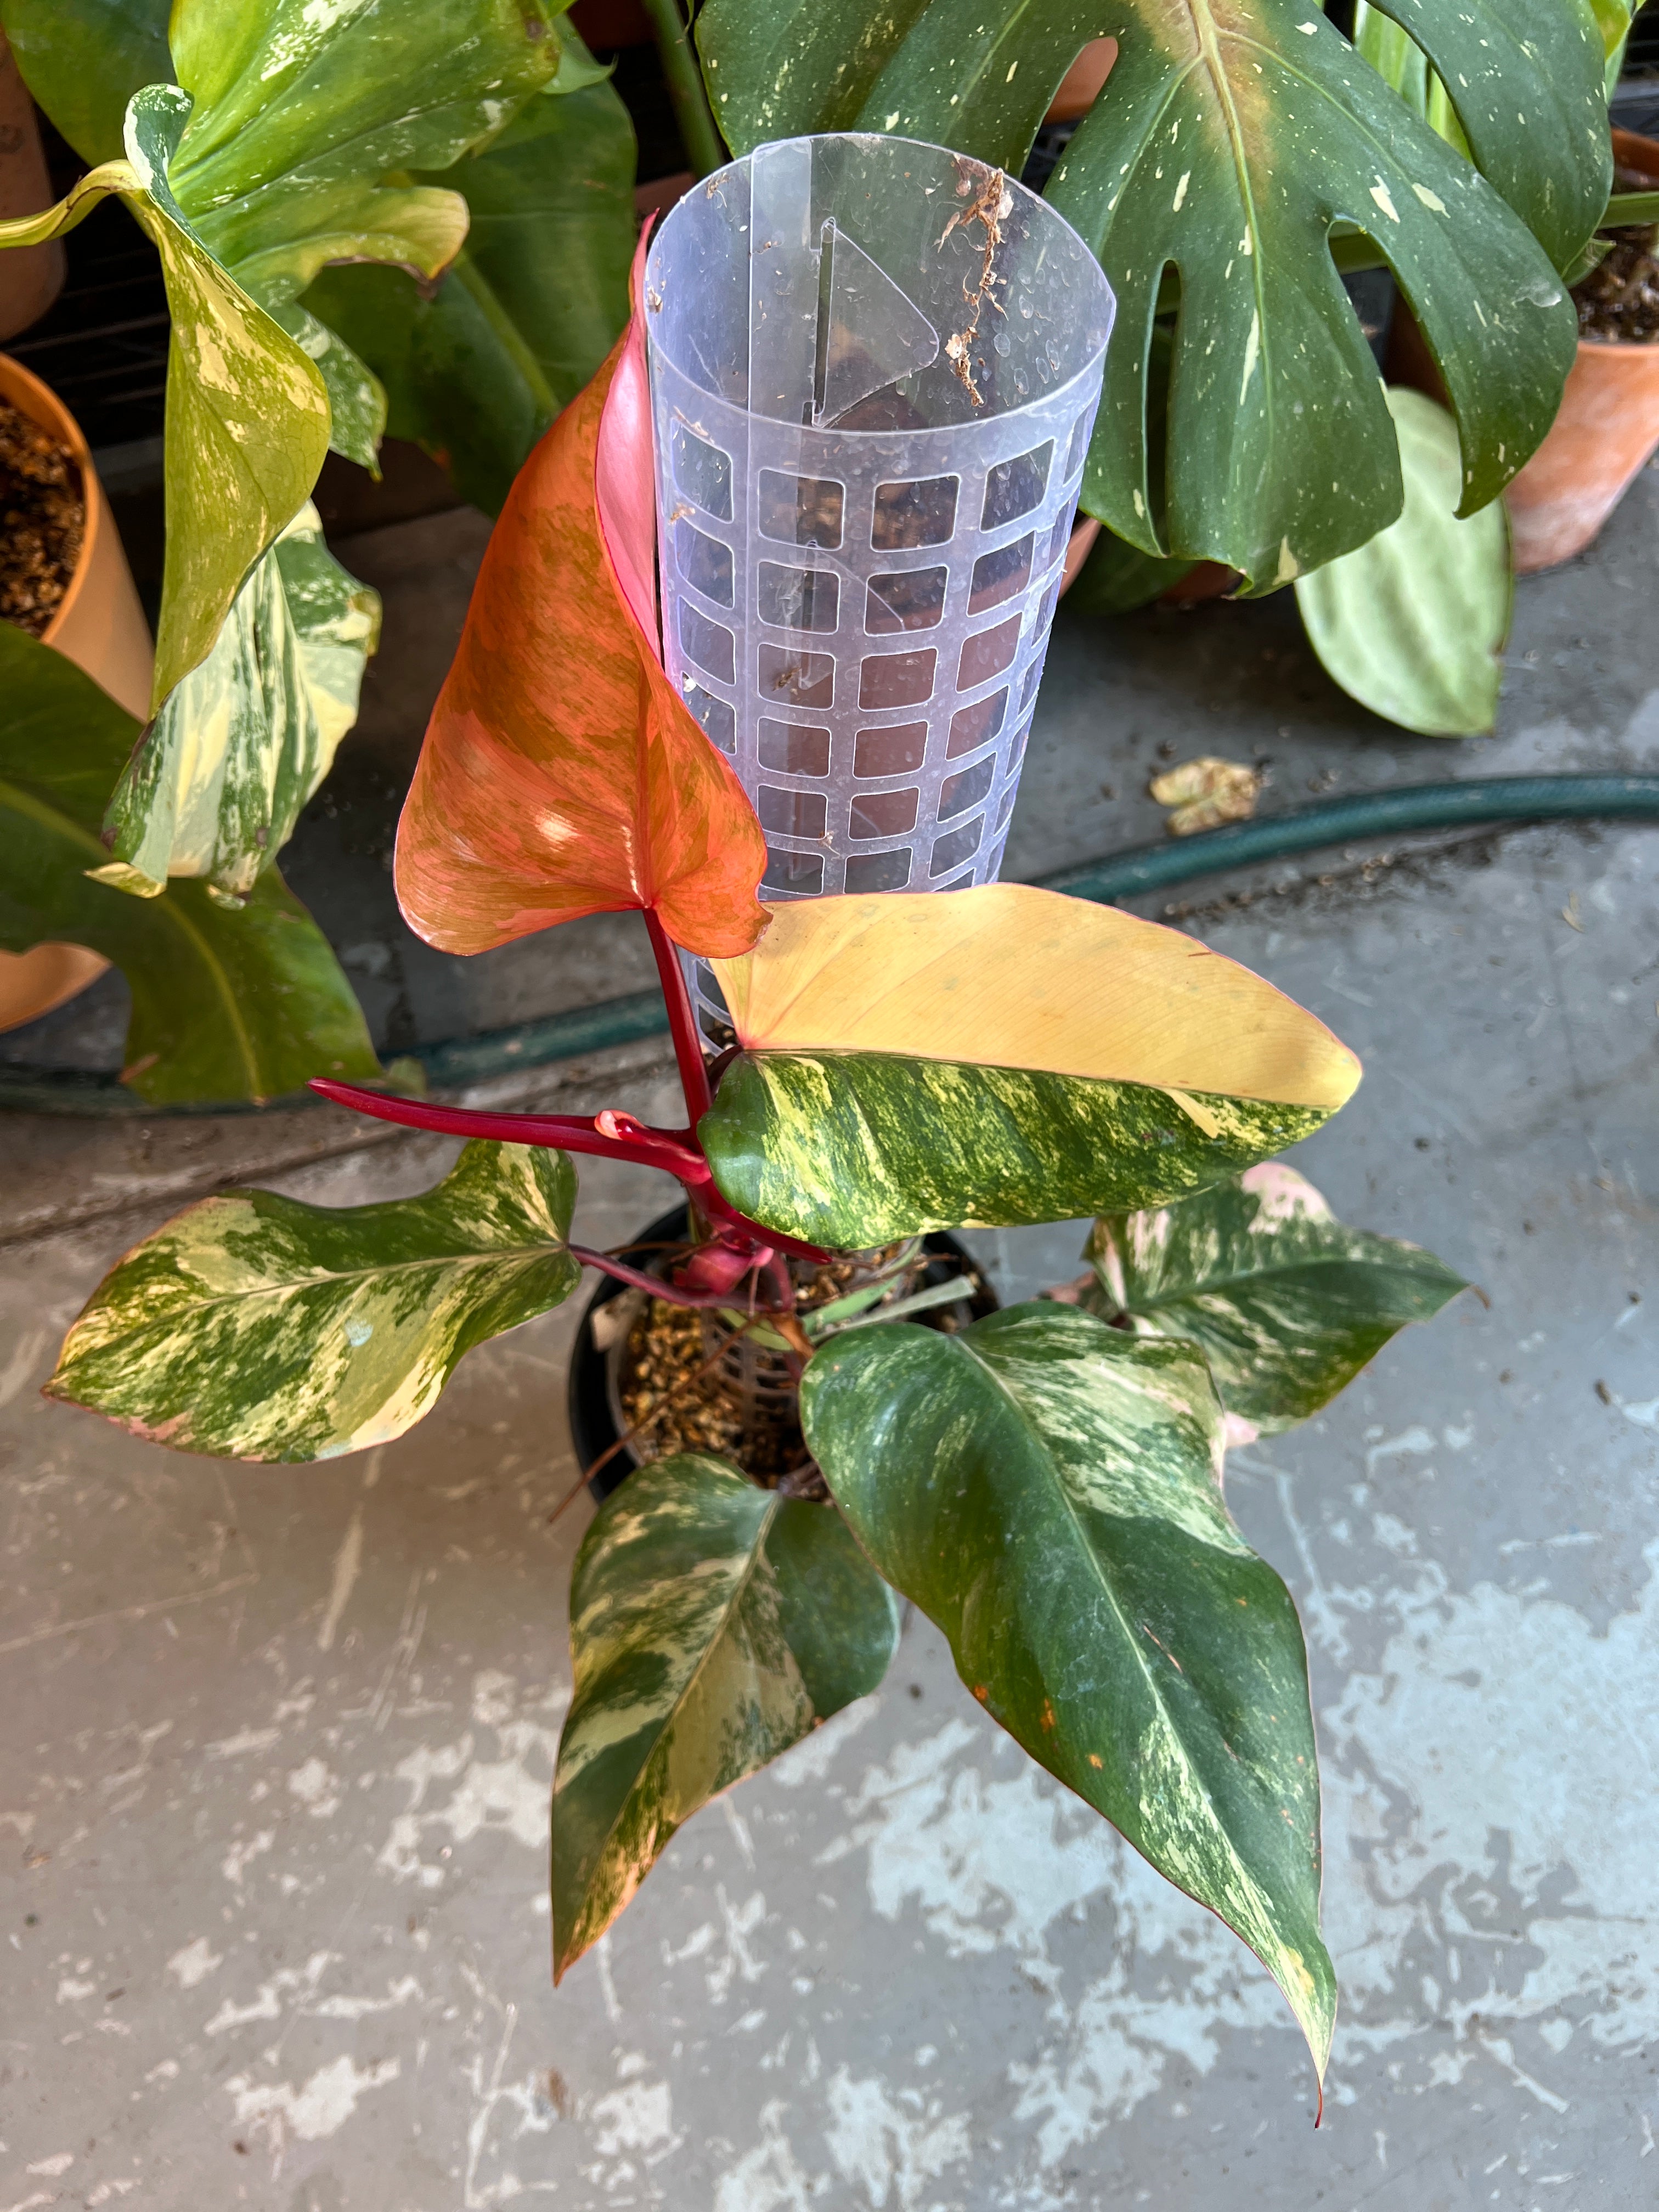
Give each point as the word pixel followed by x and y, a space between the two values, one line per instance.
pixel 1412 624
pixel 216 783
pixel 713 1624
pixel 1047 1491
pixel 533 302
pixel 1285 1303
pixel 1118 577
pixel 850 1150
pixel 1228 143
pixel 975 75
pixel 254 1327
pixel 84 60
pixel 225 1005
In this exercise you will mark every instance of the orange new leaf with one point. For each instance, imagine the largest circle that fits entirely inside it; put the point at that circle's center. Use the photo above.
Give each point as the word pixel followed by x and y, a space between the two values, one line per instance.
pixel 561 773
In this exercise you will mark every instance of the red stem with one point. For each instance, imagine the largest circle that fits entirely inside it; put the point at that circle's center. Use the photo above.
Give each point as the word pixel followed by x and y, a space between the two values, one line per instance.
pixel 681 1021
pixel 659 1285
pixel 633 1141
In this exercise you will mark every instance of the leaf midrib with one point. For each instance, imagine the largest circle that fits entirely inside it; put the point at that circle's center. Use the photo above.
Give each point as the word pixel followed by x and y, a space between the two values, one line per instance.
pixel 1221 1284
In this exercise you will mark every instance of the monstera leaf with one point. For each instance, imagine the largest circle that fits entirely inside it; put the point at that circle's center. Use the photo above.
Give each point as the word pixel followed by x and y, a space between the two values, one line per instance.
pixel 246 413
pixel 254 1327
pixel 476 370
pixel 995 1056
pixel 226 1006
pixel 1047 1491
pixel 216 783
pixel 562 774
pixel 1229 141
pixel 1412 624
pixel 713 1624
pixel 1285 1302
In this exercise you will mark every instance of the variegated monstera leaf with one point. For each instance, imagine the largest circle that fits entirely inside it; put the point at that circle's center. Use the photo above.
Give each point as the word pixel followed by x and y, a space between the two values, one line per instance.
pixel 1236 143
pixel 995 1056
pixel 254 1327
pixel 1285 1303
pixel 273 154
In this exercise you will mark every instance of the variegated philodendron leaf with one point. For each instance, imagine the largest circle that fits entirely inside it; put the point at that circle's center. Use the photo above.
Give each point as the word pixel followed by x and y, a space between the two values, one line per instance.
pixel 850 1150
pixel 254 1327
pixel 1047 1491
pixel 217 786
pixel 713 1624
pixel 1285 1303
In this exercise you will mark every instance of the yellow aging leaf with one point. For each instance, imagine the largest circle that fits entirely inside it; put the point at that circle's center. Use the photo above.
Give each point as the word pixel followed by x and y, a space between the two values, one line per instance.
pixel 1008 975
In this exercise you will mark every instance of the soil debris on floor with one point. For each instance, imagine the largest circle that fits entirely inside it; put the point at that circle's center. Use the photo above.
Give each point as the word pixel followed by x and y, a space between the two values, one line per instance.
pixel 42 521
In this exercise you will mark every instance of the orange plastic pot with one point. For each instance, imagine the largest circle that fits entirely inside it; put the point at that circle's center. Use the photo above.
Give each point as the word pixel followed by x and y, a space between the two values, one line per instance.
pixel 101 626
pixel 1606 433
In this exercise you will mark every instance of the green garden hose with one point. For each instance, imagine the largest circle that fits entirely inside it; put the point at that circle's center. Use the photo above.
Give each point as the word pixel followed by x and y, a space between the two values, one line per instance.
pixel 1477 803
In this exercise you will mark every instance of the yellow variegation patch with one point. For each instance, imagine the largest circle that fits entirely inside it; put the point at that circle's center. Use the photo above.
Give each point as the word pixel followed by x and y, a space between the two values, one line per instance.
pixel 1008 975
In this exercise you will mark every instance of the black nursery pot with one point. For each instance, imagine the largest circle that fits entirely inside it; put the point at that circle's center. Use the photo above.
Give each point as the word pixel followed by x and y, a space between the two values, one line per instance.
pixel 592 1421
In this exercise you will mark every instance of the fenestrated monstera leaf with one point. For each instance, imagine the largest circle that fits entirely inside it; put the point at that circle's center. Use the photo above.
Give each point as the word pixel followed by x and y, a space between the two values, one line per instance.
pixel 227 1006
pixel 994 1056
pixel 254 1327
pixel 1285 1302
pixel 526 311
pixel 713 1624
pixel 1230 138
pixel 1412 624
pixel 216 786
pixel 1047 1491
pixel 246 413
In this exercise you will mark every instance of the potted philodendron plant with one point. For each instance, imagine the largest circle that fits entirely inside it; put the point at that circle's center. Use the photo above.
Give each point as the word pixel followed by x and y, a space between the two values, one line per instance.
pixel 306 176
pixel 1044 1483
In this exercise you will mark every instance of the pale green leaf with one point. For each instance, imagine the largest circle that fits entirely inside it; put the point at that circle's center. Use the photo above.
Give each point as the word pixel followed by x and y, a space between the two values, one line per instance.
pixel 217 784
pixel 84 60
pixel 254 1327
pixel 1047 1491
pixel 1285 1303
pixel 227 1006
pixel 713 1624
pixel 1413 625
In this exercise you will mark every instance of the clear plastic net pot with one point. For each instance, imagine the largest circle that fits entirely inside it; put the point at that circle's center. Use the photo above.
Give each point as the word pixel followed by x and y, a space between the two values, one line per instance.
pixel 874 367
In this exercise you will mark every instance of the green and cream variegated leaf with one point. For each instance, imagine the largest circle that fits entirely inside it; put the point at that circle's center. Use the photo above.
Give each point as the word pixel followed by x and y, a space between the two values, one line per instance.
pixel 1285 1302
pixel 850 1150
pixel 306 124
pixel 476 369
pixel 1047 1491
pixel 1412 624
pixel 713 1624
pixel 217 783
pixel 228 1007
pixel 255 1327
pixel 246 411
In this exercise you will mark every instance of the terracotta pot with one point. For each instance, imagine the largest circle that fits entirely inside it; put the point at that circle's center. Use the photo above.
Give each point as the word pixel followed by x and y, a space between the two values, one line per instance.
pixel 1606 433
pixel 31 276
pixel 1080 86
pixel 101 626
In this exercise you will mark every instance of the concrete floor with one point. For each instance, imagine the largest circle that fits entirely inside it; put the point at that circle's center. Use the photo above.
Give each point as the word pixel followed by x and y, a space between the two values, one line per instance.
pixel 277 1743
